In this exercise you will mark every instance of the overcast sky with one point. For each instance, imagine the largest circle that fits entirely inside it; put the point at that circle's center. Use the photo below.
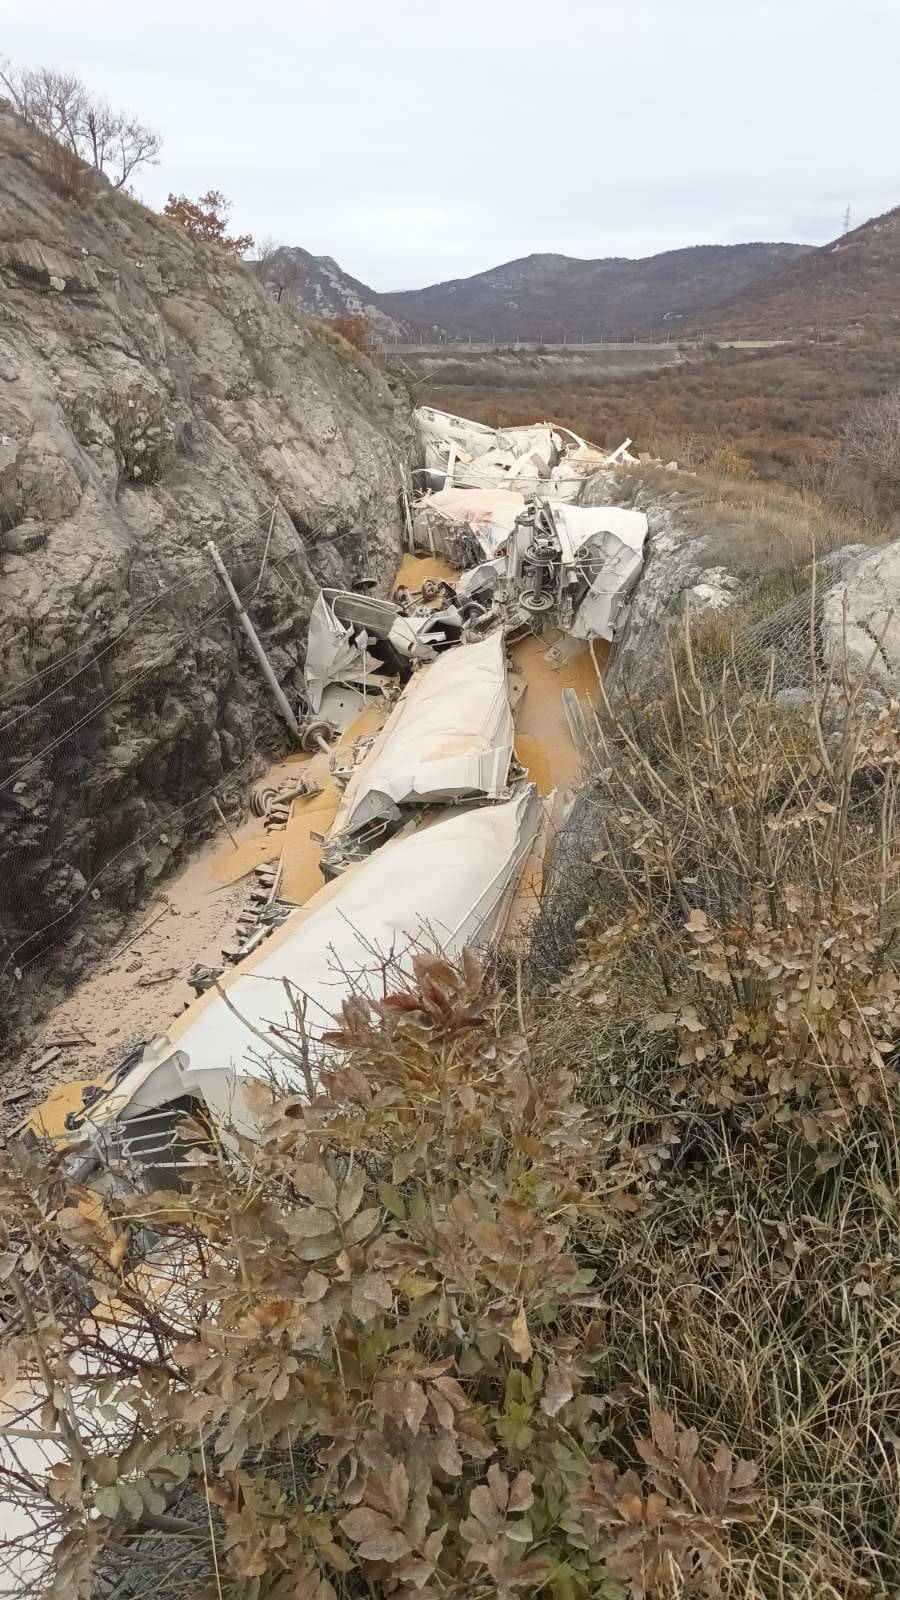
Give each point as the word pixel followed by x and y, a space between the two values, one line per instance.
pixel 417 141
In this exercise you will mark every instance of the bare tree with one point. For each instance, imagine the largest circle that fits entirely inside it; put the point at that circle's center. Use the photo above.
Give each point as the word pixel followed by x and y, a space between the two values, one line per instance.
pixel 266 248
pixel 273 265
pixel 63 108
pixel 871 439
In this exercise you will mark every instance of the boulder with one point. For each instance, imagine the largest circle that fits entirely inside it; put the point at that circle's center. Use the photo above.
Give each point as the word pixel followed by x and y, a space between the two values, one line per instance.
pixel 26 536
pixel 863 607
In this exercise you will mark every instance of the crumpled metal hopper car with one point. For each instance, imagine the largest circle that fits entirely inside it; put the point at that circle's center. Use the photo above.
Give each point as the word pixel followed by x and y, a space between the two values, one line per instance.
pixel 469 455
pixel 359 641
pixel 447 741
pixel 528 551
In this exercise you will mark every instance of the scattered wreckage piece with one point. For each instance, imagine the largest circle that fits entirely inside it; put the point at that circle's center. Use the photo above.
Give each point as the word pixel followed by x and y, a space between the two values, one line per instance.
pixel 468 454
pixel 271 801
pixel 466 525
pixel 572 567
pixel 448 740
pixel 447 884
pixel 601 557
pixel 528 552
pixel 458 453
pixel 360 642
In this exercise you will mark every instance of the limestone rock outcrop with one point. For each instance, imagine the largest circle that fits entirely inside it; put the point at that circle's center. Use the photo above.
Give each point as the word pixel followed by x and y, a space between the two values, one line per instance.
pixel 152 397
pixel 861 614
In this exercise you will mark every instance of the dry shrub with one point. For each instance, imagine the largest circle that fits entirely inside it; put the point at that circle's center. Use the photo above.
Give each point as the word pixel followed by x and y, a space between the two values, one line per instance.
pixel 206 219
pixel 361 1356
pixel 766 534
pixel 870 443
pixel 769 521
pixel 348 351
pixel 740 957
pixel 72 178
pixel 725 458
pixel 752 851
pixel 783 409
pixel 359 332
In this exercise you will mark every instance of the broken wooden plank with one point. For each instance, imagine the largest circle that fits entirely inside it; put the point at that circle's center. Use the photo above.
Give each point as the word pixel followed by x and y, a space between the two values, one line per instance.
pixel 16 1094
pixel 46 1059
pixel 575 719
pixel 166 976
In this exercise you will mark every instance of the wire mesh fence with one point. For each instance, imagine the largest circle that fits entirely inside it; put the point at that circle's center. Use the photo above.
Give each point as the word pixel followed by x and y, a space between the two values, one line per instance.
pixel 126 728
pixel 119 737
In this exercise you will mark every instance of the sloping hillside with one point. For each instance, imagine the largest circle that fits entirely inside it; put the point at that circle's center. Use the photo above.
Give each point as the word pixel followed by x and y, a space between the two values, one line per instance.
pixel 152 396
pixel 781 408
pixel 318 286
pixel 555 295
pixel 836 311
pixel 851 284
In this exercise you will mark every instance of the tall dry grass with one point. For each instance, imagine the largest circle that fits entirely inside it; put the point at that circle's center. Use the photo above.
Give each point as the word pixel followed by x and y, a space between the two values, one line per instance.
pixel 739 960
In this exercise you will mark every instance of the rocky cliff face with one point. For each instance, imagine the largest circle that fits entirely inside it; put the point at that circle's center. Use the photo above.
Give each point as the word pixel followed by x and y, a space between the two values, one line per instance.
pixel 151 397
pixel 318 286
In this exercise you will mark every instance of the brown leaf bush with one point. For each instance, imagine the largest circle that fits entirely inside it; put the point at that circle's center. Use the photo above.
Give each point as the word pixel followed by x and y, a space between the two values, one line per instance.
pixel 358 331
pixel 206 219
pixel 359 1355
pixel 750 852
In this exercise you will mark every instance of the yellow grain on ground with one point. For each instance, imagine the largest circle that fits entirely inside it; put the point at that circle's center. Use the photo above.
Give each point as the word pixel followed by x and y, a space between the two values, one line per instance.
pixel 255 846
pixel 301 876
pixel 540 714
pixel 413 570
pixel 48 1120
pixel 228 868
pixel 300 872
pixel 370 720
pixel 533 757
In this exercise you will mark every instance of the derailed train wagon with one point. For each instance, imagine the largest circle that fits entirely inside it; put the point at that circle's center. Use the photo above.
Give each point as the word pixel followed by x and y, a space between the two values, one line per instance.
pixel 436 820
pixel 440 886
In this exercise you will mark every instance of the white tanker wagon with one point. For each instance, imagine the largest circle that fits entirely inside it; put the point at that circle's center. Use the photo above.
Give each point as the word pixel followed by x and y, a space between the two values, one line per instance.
pixel 425 852
pixel 447 741
pixel 441 886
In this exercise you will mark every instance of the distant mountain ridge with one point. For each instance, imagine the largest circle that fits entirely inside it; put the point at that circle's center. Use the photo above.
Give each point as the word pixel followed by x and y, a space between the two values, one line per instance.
pixel 541 295
pixel 853 282
pixel 552 296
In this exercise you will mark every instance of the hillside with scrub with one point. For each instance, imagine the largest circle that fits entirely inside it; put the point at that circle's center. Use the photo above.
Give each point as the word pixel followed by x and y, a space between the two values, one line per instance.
pixel 827 322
